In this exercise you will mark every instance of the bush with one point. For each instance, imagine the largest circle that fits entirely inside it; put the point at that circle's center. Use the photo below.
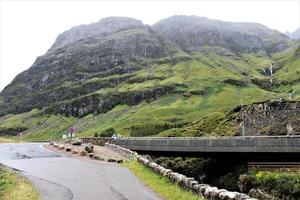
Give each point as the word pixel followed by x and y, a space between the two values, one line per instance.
pixel 286 183
pixel 108 132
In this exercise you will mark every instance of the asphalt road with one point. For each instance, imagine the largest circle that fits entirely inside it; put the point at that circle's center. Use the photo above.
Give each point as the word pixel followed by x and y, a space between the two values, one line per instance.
pixel 61 178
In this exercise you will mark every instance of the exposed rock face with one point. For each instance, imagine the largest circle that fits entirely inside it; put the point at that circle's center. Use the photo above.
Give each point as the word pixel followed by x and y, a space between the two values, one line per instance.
pixel 102 28
pixel 192 32
pixel 12 131
pixel 271 118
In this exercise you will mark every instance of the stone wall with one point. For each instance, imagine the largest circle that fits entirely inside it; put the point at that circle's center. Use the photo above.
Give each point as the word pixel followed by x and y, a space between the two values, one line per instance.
pixel 187 183
pixel 97 140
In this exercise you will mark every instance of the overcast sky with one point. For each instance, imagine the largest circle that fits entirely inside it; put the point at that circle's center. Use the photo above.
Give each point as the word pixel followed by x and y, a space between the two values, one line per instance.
pixel 28 28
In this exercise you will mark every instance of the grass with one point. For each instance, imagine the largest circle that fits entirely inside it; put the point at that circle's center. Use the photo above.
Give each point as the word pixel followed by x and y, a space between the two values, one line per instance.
pixel 161 185
pixel 10 140
pixel 15 187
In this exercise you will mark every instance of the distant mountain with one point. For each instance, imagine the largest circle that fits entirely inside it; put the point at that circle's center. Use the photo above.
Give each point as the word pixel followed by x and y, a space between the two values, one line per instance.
pixel 148 80
pixel 294 35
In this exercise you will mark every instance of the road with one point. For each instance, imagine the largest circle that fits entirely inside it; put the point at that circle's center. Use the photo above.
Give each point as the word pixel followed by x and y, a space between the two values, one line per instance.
pixel 62 178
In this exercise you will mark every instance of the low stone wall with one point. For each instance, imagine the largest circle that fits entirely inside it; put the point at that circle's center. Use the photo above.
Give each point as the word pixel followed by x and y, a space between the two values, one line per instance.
pixel 187 183
pixel 100 141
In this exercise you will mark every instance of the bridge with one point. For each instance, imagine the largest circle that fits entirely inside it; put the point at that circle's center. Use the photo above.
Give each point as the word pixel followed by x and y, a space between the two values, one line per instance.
pixel 256 148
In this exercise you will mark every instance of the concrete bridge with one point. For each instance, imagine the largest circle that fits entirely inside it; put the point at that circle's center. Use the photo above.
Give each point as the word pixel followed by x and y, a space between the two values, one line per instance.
pixel 257 148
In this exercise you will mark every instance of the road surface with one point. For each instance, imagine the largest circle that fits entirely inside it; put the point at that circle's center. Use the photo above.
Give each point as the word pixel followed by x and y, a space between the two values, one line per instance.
pixel 61 178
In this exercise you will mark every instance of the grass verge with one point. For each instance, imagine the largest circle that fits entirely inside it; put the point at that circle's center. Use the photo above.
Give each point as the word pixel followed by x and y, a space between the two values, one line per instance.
pixel 161 185
pixel 6 140
pixel 15 187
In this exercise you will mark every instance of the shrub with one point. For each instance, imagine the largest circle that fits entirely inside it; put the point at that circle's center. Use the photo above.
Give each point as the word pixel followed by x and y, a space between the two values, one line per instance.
pixel 108 132
pixel 286 183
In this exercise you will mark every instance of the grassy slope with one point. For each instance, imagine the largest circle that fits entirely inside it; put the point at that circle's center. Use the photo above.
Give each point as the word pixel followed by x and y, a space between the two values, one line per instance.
pixel 205 73
pixel 15 187
pixel 162 186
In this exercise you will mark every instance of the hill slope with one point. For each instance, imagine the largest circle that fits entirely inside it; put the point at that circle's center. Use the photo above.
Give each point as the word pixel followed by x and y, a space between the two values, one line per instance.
pixel 144 80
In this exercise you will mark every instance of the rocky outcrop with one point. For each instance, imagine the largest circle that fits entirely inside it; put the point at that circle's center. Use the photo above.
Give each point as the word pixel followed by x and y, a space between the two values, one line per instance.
pixel 102 28
pixel 270 118
pixel 192 32
pixel 11 131
pixel 97 103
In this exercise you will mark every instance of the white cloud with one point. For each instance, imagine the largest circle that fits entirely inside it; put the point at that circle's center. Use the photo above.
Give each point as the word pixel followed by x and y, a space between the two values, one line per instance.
pixel 28 28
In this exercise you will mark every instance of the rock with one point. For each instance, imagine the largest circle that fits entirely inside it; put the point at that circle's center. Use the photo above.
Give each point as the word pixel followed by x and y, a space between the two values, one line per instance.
pixel 77 142
pixel 89 148
pixel 97 157
pixel 91 155
pixel 111 160
pixel 260 194
pixel 74 152
pixel 166 172
pixel 83 153
pixel 120 161
pixel 245 183
pixel 68 148
pixel 61 147
pixel 51 143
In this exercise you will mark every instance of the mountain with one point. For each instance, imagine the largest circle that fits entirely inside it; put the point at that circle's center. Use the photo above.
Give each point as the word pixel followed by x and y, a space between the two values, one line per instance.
pixel 147 80
pixel 294 35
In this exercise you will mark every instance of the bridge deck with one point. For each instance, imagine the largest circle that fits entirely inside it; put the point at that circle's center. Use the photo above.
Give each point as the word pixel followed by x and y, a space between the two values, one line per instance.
pixel 281 146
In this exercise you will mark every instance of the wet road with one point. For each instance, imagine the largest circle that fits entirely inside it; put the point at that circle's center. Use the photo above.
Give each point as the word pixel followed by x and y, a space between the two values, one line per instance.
pixel 62 178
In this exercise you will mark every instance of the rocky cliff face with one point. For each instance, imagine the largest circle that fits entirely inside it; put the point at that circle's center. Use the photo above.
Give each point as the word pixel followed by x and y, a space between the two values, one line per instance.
pixel 192 32
pixel 104 27
pixel 270 118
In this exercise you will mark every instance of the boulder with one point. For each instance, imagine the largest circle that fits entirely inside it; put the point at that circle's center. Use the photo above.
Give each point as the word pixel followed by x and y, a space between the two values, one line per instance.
pixel 61 147
pixel 77 142
pixel 68 148
pixel 111 160
pixel 74 152
pixel 89 148
pixel 91 155
pixel 83 153
pixel 120 161
pixel 97 157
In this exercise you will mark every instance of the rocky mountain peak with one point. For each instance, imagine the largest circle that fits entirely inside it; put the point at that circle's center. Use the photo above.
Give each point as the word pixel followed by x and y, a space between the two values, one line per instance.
pixel 104 27
pixel 192 32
